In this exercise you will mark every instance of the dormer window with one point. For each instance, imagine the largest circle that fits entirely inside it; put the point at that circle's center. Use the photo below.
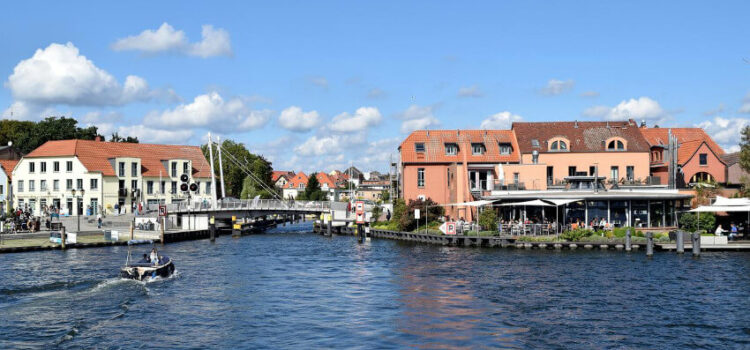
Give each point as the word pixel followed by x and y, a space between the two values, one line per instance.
pixel 505 148
pixel 451 149
pixel 558 145
pixel 534 143
pixel 478 148
pixel 615 145
pixel 419 147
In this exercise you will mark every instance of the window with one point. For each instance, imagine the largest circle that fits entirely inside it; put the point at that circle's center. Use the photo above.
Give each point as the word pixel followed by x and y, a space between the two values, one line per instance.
pixel 174 186
pixel 79 184
pixel 420 177
pixel 121 185
pixel 174 169
pixel 616 145
pixel 133 185
pixel 32 188
pixel 534 143
pixel 516 178
pixel 134 169
pixel 703 158
pixel 451 149
pixel 506 148
pixel 2 189
pixel 592 170
pixel 185 168
pixel 163 187
pixel 448 177
pixel 558 145
pixel 55 185
pixel 208 187
pixel 149 187
pixel 31 167
pixel 43 185
pixel 43 167
pixel 121 169
pixel 477 148
pixel 630 172
pixel 69 166
pixel 571 171
pixel 94 184
pixel 69 184
pixel 20 185
pixel 614 173
pixel 419 147
pixel 56 166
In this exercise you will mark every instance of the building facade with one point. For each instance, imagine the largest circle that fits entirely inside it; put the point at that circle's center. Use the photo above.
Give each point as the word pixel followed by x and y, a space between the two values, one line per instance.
pixel 80 177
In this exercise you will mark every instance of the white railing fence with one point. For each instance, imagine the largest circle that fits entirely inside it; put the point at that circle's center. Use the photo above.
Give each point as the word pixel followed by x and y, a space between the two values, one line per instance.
pixel 251 204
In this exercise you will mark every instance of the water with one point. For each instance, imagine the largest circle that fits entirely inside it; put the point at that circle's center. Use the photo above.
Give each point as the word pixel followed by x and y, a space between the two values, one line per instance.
pixel 294 289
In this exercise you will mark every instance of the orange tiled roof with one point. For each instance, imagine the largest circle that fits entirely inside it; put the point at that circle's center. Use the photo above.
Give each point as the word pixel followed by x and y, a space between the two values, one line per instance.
pixel 435 141
pixel 95 155
pixel 690 139
pixel 276 174
pixel 583 136
pixel 299 178
pixel 324 178
pixel 8 165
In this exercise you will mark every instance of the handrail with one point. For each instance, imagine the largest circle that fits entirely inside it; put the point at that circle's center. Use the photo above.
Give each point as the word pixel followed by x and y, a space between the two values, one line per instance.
pixel 251 204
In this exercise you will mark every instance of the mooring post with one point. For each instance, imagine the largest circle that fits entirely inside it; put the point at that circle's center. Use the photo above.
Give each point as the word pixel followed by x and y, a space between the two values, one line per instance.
pixel 212 228
pixel 680 240
pixel 163 224
pixel 628 241
pixel 649 244
pixel 329 227
pixel 360 234
pixel 696 244
pixel 132 228
pixel 62 237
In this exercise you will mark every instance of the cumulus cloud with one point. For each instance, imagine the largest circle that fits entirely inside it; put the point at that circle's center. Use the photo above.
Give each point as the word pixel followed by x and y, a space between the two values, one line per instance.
pixel 470 91
pixel 214 42
pixel 213 112
pixel 295 119
pixel 502 120
pixel 59 74
pixel 363 118
pixel 317 146
pixel 101 117
pixel 147 134
pixel 725 131
pixel 417 118
pixel 641 108
pixel 557 87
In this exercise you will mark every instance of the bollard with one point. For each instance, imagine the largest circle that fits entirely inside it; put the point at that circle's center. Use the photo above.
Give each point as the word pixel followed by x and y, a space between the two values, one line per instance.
pixel 163 224
pixel 696 244
pixel 680 240
pixel 62 237
pixel 131 230
pixel 360 235
pixel 329 228
pixel 628 241
pixel 649 244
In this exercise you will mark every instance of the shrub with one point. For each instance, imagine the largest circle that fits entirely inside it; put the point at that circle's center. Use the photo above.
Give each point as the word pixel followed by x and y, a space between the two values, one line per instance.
pixel 576 235
pixel 689 221
pixel 488 219
pixel 433 212
pixel 619 232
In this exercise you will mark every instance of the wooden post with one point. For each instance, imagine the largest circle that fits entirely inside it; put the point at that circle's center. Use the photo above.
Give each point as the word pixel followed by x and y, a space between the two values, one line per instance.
pixel 62 237
pixel 163 224
pixel 329 227
pixel 131 230
pixel 212 228
pixel 696 244
pixel 649 244
pixel 628 241
pixel 680 240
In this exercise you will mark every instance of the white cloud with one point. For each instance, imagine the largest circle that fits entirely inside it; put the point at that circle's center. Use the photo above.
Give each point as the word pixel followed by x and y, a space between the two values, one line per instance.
pixel 725 131
pixel 318 146
pixel 418 118
pixel 295 119
pixel 470 91
pixel 101 117
pixel 716 111
pixel 502 120
pixel 637 109
pixel 589 94
pixel 745 104
pixel 557 87
pixel 59 74
pixel 363 118
pixel 214 42
pixel 211 111
pixel 147 134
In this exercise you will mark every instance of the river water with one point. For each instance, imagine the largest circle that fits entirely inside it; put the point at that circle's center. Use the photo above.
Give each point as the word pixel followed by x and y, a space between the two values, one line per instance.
pixel 294 289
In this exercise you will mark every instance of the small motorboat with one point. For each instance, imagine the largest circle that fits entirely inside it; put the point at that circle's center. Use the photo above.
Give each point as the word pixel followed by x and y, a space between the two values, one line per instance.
pixel 141 270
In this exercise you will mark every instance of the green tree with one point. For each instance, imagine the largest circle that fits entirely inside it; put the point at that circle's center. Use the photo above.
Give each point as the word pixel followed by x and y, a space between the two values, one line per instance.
pixel 488 219
pixel 689 221
pixel 117 138
pixel 236 162
pixel 745 149
pixel 399 209
pixel 312 190
pixel 429 212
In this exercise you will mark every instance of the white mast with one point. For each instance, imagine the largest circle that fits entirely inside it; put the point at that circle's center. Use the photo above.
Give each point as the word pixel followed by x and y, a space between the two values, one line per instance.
pixel 213 178
pixel 221 170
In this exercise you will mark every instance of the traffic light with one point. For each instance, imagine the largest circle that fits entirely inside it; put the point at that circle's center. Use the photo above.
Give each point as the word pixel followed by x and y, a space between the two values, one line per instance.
pixel 184 178
pixel 194 187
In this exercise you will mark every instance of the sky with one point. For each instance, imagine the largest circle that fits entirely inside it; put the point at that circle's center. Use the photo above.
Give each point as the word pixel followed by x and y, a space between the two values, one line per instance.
pixel 321 85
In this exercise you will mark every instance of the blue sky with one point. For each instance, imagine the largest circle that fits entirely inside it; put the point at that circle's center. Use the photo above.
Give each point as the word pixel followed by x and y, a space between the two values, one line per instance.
pixel 317 85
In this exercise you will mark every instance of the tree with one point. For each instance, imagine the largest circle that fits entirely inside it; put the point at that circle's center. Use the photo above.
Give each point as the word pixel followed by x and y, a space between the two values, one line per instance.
pixel 704 191
pixel 429 211
pixel 312 190
pixel 745 149
pixel 488 219
pixel 237 161
pixel 689 221
pixel 117 138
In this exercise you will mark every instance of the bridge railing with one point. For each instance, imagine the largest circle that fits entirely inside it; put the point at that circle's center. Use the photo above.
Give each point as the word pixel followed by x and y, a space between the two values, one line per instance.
pixel 251 204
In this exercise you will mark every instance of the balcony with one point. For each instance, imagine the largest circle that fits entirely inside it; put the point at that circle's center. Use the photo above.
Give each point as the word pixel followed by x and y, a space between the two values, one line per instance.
pixel 513 186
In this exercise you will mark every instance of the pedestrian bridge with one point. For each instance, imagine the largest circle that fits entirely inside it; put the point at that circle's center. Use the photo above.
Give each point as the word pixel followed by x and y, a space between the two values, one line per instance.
pixel 251 208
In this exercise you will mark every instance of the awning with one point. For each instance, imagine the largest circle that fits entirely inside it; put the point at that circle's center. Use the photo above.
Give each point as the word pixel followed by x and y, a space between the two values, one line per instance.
pixel 559 202
pixel 468 204
pixel 534 203
pixel 721 208
pixel 723 201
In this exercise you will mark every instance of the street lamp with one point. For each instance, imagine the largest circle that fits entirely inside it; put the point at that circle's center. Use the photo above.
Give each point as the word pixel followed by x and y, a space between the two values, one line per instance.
pixel 79 201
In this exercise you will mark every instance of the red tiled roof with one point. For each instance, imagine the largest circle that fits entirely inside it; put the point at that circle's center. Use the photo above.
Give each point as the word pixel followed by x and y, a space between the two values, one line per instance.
pixel 95 155
pixel 276 174
pixel 584 137
pixel 299 178
pixel 690 139
pixel 8 165
pixel 324 178
pixel 435 141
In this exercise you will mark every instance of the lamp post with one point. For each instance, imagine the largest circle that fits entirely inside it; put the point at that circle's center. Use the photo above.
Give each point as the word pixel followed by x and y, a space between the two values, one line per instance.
pixel 79 201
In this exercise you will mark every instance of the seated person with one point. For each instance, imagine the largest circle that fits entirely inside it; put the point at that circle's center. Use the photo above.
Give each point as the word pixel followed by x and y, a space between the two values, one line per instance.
pixel 733 232
pixel 719 230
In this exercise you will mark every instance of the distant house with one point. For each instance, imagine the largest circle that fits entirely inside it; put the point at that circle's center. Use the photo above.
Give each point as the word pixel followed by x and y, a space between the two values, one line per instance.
pixel 10 153
pixel 372 190
pixel 295 185
pixel 281 178
pixel 355 175
pixel 734 172
pixel 6 193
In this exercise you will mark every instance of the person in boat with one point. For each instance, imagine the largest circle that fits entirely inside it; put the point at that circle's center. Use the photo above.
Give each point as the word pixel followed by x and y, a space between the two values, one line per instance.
pixel 145 259
pixel 154 257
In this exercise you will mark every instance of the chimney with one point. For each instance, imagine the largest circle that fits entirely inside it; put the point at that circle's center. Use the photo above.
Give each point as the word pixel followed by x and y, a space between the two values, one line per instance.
pixel 576 124
pixel 98 138
pixel 607 124
pixel 428 133
pixel 643 123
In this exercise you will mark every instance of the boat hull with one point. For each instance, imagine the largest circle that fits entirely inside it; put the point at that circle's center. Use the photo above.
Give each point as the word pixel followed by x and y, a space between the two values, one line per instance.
pixel 144 272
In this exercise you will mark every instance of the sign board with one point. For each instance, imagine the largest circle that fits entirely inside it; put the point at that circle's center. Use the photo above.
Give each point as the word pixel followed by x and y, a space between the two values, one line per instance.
pixel 442 228
pixel 416 213
pixel 360 207
pixel 162 210
pixel 361 218
pixel 450 228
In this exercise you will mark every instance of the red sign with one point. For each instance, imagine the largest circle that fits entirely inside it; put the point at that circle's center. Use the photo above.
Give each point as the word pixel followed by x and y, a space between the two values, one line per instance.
pixel 450 228
pixel 162 210
pixel 360 207
pixel 361 218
